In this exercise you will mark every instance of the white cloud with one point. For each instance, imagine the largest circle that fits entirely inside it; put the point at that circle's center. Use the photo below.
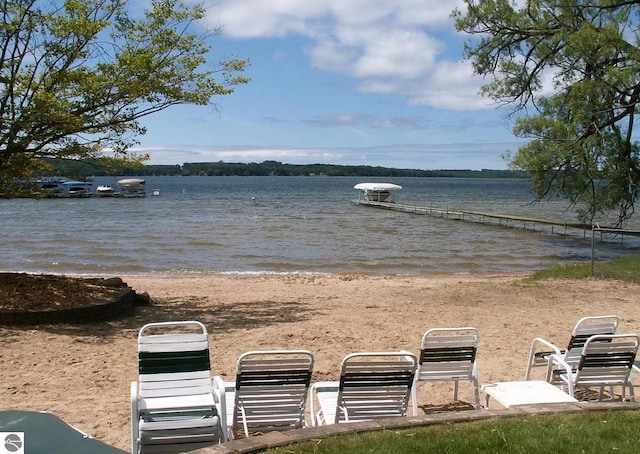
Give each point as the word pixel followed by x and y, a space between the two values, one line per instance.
pixel 452 86
pixel 401 47
pixel 377 51
pixel 260 18
pixel 367 121
pixel 180 155
pixel 275 18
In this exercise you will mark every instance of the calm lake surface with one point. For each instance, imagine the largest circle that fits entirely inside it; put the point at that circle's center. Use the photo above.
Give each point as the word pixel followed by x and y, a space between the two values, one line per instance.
pixel 286 225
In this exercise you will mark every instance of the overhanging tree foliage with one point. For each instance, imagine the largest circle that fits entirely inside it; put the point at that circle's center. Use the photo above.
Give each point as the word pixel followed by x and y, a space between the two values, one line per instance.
pixel 76 76
pixel 573 67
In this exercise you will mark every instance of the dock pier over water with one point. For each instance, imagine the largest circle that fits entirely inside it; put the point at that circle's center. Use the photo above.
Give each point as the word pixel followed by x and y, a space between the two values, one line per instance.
pixel 509 221
pixel 504 220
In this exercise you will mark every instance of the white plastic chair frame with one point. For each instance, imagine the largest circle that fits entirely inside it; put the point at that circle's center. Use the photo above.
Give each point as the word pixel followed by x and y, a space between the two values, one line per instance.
pixel 586 327
pixel 448 354
pixel 605 360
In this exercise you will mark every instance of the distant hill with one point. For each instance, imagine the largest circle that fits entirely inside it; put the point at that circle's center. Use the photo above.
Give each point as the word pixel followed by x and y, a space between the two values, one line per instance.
pixel 84 169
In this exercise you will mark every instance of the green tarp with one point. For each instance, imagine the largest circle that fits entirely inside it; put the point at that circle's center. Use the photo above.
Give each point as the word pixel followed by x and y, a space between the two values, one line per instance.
pixel 45 433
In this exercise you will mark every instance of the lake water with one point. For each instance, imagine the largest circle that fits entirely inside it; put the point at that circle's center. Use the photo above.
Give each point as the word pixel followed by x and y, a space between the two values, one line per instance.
pixel 286 225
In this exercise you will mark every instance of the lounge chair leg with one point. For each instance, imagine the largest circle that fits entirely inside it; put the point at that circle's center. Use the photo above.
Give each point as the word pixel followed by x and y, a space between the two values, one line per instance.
pixel 476 393
pixel 414 398
pixel 244 421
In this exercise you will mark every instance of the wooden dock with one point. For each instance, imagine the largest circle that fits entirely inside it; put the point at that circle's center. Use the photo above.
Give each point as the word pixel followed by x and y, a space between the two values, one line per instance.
pixel 504 220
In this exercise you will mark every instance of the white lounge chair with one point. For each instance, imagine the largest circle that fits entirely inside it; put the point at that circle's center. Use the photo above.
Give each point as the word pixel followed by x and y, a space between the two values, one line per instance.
pixel 372 385
pixel 173 406
pixel 270 391
pixel 605 361
pixel 586 327
pixel 448 354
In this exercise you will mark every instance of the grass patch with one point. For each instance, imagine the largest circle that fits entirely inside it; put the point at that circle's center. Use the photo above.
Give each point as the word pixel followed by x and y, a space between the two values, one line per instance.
pixel 623 269
pixel 584 432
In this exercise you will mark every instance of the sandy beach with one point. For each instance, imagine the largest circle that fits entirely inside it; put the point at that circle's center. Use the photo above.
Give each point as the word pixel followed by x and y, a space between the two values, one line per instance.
pixel 83 373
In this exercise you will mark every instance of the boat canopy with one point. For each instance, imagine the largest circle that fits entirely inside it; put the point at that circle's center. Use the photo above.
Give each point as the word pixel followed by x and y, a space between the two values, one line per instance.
pixel 70 183
pixel 131 181
pixel 377 186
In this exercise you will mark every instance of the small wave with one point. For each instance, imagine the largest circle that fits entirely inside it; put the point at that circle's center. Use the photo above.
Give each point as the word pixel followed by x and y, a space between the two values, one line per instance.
pixel 271 273
pixel 206 225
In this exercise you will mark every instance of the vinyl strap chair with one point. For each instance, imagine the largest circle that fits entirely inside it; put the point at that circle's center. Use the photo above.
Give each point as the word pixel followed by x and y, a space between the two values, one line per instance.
pixel 541 349
pixel 173 404
pixel 448 354
pixel 605 361
pixel 372 385
pixel 270 391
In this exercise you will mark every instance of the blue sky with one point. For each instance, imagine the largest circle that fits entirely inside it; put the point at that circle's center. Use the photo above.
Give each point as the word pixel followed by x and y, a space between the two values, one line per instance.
pixel 353 82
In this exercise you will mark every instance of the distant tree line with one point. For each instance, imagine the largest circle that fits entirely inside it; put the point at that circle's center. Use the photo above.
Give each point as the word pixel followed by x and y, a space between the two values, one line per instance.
pixel 86 169
pixel 279 169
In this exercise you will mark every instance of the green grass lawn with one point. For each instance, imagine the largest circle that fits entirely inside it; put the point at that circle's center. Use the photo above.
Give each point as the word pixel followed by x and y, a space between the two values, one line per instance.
pixel 622 269
pixel 586 432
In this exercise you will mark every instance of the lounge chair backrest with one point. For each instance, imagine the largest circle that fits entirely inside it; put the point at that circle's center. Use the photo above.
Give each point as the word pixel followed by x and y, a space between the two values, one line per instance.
pixel 271 390
pixel 375 385
pixel 590 326
pixel 607 360
pixel 585 328
pixel 448 353
pixel 178 358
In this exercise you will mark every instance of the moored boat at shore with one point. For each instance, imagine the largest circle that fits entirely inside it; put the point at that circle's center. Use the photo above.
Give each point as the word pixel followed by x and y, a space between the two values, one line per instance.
pixel 76 189
pixel 106 190
pixel 132 187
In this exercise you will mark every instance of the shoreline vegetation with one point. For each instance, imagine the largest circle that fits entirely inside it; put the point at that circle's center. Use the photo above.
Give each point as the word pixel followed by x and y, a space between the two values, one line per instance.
pixel 623 269
pixel 87 169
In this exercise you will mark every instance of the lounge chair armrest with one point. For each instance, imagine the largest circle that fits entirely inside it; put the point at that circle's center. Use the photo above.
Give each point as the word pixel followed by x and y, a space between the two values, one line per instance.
pixel 539 345
pixel 560 363
pixel 134 394
pixel 345 411
pixel 540 341
pixel 314 417
pixel 220 400
pixel 135 415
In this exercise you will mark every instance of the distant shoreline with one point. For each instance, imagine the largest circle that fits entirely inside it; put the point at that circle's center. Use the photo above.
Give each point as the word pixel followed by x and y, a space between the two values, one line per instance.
pixel 268 168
